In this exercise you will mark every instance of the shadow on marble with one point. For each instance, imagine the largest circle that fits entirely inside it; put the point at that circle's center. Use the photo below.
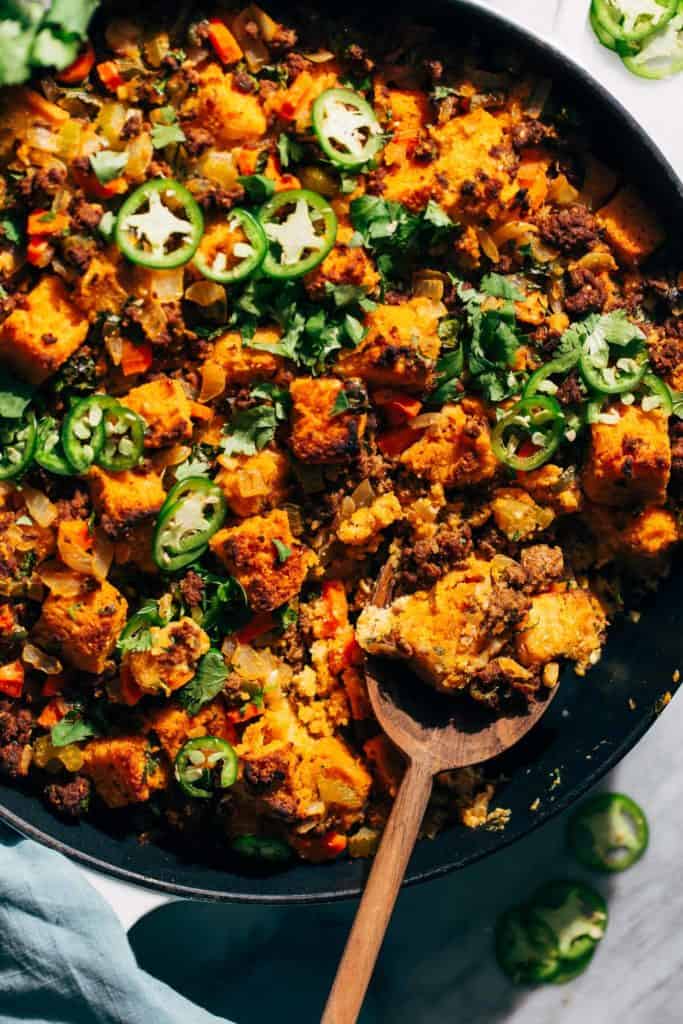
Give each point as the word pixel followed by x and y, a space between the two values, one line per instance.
pixel 257 964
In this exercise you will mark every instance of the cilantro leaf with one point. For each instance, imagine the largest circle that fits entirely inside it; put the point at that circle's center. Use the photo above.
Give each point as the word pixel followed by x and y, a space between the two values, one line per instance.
pixel 224 603
pixel 198 463
pixel 15 395
pixel 72 728
pixel 37 34
pixel 500 287
pixel 393 232
pixel 279 397
pixel 289 151
pixel 207 683
pixel 282 550
pixel 257 186
pixel 11 230
pixel 165 134
pixel 250 430
pixel 107 165
pixel 341 404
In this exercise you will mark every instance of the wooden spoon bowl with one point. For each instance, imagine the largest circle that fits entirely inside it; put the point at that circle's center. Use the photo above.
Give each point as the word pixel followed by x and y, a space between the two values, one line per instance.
pixel 437 733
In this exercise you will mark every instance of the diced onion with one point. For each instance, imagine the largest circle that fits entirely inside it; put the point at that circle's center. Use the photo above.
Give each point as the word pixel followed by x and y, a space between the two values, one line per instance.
pixel 597 260
pixel 102 555
pixel 515 230
pixel 60 581
pixel 428 284
pixel 255 50
pixel 562 192
pixel 42 138
pixel 296 522
pixel 39 660
pixel 426 419
pixel 320 56
pixel 39 506
pixel 488 245
pixel 166 285
pixel 213 381
pixel 140 152
pixel 363 495
pixel 219 166
pixel 113 342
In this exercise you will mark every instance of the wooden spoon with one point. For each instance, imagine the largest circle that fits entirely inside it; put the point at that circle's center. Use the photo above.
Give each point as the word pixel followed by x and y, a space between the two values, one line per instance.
pixel 436 733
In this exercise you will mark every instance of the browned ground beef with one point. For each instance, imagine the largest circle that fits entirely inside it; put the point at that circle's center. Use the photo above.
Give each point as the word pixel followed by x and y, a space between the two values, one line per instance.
pixel 572 229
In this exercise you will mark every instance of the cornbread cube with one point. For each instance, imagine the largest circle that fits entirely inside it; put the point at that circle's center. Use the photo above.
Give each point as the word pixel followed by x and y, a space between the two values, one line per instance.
pixel 651 533
pixel 516 513
pixel 400 348
pixel 249 553
pixel 222 110
pixel 121 770
pixel 631 228
pixel 455 451
pixel 165 408
pixel 343 781
pixel 562 624
pixel 174 727
pixel 171 660
pixel 83 628
pixel 344 264
pixel 37 338
pixel 243 364
pixel 253 483
pixel 99 290
pixel 629 460
pixel 451 632
pixel 123 500
pixel 366 524
pixel 318 436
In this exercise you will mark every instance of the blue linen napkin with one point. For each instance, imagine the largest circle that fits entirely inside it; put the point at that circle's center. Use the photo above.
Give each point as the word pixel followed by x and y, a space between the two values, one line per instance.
pixel 64 956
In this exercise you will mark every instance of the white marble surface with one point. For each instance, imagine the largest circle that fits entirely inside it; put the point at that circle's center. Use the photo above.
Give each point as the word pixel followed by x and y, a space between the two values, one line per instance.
pixel 437 964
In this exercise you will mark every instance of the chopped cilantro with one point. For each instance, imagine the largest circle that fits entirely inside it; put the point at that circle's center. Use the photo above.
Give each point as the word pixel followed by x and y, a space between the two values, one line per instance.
pixel 15 395
pixel 282 550
pixel 72 728
pixel 289 151
pixel 341 403
pixel 10 230
pixel 500 287
pixel 257 187
pixel 207 683
pixel 107 165
pixel 250 430
pixel 198 462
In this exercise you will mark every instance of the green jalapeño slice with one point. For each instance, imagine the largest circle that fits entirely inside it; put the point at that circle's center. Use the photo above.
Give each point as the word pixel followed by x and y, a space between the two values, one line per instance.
pixel 159 225
pixel 346 127
pixel 609 832
pixel 232 252
pixel 528 435
pixel 205 764
pixel 17 444
pixel 124 435
pixel 83 432
pixel 193 511
pixel 301 228
pixel 49 451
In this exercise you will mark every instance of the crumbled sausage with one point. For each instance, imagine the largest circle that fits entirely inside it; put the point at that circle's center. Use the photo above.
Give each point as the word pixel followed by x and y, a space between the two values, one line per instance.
pixel 589 293
pixel 572 230
pixel 69 799
pixel 542 565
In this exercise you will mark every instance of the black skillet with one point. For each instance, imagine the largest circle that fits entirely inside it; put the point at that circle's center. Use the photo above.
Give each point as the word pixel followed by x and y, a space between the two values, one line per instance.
pixel 592 723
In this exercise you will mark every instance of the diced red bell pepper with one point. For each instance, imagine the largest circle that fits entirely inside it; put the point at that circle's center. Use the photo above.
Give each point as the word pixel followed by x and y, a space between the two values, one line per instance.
pixel 109 74
pixel 12 678
pixel 336 608
pixel 136 358
pixel 260 624
pixel 227 49
pixel 81 67
pixel 397 408
pixel 52 713
pixel 39 252
pixel 52 686
pixel 7 619
pixel 392 442
pixel 244 714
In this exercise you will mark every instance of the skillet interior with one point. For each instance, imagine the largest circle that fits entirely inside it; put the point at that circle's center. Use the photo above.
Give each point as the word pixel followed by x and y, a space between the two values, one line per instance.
pixel 591 724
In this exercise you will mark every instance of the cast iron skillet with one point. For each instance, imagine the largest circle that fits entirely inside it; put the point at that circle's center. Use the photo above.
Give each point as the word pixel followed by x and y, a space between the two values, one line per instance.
pixel 592 723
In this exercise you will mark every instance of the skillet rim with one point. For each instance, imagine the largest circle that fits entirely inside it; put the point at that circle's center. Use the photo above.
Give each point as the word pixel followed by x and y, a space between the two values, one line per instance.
pixel 539 46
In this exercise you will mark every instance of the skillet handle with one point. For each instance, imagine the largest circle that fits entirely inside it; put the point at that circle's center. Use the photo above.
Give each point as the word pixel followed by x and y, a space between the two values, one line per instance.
pixel 129 902
pixel 381 890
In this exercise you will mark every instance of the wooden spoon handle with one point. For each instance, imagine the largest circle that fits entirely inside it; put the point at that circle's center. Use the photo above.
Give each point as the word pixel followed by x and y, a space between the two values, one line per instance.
pixel 381 890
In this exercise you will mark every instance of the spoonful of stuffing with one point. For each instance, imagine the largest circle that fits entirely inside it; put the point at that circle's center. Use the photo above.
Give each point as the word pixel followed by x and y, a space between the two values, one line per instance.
pixel 443 637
